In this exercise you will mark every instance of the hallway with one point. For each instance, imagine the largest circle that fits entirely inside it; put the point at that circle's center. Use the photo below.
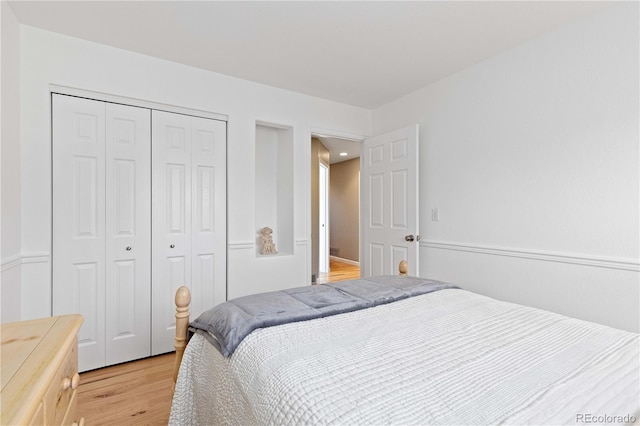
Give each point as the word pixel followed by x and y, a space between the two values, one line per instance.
pixel 339 271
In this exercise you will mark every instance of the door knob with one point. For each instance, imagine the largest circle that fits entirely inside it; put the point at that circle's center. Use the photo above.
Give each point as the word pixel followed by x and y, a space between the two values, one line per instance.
pixel 409 238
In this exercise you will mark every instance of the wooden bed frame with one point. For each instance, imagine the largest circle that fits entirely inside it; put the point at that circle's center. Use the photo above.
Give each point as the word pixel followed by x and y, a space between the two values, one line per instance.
pixel 183 300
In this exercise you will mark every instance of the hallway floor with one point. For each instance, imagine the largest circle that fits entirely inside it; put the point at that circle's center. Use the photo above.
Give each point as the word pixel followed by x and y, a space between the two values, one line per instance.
pixel 339 271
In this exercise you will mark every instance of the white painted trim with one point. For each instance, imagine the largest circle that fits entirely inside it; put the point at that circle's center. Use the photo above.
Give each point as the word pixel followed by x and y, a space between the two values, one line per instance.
pixel 241 245
pixel 626 264
pixel 349 261
pixel 21 259
pixel 273 125
pixel 328 133
pixel 36 257
pixel 99 96
pixel 10 262
pixel 246 245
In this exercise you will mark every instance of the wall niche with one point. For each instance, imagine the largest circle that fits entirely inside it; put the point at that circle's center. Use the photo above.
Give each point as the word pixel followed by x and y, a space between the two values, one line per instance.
pixel 274 185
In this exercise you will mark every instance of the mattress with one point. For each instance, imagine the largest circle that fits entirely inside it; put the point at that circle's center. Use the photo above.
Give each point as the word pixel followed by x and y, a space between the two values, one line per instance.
pixel 448 357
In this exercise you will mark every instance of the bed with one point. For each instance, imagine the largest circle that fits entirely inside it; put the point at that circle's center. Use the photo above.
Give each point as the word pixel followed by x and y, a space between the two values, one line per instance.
pixel 443 357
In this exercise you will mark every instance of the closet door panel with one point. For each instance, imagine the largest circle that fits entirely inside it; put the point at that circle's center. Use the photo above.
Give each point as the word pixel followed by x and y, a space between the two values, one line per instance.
pixel 78 256
pixel 171 221
pixel 209 228
pixel 128 233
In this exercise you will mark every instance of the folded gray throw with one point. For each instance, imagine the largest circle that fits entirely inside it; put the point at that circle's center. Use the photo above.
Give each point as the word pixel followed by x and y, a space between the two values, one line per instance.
pixel 228 323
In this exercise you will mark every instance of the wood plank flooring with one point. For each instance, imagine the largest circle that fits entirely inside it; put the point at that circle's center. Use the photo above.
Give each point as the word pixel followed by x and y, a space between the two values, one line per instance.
pixel 134 393
pixel 139 392
pixel 339 271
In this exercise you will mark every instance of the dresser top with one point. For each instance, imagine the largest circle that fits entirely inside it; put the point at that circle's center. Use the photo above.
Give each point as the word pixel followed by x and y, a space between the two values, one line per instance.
pixel 30 355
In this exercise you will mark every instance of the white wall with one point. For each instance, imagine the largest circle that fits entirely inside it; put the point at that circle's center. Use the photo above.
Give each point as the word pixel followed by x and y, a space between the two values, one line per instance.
pixel 10 211
pixel 344 205
pixel 50 58
pixel 532 159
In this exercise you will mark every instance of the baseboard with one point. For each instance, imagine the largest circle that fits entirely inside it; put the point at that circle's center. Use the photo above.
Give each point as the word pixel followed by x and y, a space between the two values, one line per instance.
pixel 340 259
pixel 625 264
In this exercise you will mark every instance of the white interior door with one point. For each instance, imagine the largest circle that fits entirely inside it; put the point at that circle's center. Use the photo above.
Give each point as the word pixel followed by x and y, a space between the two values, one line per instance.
pixel 101 226
pixel 209 210
pixel 389 202
pixel 104 216
pixel 78 255
pixel 171 221
pixel 128 233
pixel 189 218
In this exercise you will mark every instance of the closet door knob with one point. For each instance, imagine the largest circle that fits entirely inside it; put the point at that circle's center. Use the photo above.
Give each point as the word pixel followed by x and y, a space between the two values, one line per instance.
pixel 172 246
pixel 128 248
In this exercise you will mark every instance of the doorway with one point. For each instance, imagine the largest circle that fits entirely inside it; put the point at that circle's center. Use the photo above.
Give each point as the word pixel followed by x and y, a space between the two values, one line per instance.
pixel 335 208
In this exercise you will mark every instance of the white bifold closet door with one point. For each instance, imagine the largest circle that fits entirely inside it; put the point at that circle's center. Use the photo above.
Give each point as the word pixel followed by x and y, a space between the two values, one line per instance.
pixel 189 218
pixel 101 226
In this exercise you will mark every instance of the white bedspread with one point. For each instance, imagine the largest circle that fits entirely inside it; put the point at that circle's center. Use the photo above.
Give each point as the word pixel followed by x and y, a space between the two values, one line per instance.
pixel 449 357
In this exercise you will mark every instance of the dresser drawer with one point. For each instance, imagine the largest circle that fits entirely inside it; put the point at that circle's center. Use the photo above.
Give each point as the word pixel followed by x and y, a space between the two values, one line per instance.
pixel 61 392
pixel 38 417
pixel 70 417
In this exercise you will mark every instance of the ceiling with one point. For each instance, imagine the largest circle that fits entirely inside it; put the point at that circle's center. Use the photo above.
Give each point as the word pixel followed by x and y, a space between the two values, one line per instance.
pixel 340 149
pixel 360 53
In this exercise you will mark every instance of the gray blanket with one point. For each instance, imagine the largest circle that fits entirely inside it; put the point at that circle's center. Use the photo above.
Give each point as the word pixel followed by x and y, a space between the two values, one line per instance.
pixel 228 323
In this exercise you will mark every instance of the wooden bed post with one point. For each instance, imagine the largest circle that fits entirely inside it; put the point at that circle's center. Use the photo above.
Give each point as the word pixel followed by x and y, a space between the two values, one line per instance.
pixel 403 268
pixel 183 299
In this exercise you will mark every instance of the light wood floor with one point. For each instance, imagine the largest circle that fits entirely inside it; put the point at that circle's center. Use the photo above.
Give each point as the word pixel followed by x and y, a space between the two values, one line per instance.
pixel 339 271
pixel 139 392
pixel 134 393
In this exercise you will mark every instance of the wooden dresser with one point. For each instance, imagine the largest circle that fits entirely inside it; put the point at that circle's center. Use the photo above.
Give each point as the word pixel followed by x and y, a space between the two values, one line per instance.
pixel 40 371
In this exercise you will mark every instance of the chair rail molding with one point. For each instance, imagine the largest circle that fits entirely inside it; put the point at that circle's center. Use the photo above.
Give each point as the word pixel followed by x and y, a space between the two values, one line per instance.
pixel 626 264
pixel 16 260
pixel 247 245
pixel 10 262
pixel 241 245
